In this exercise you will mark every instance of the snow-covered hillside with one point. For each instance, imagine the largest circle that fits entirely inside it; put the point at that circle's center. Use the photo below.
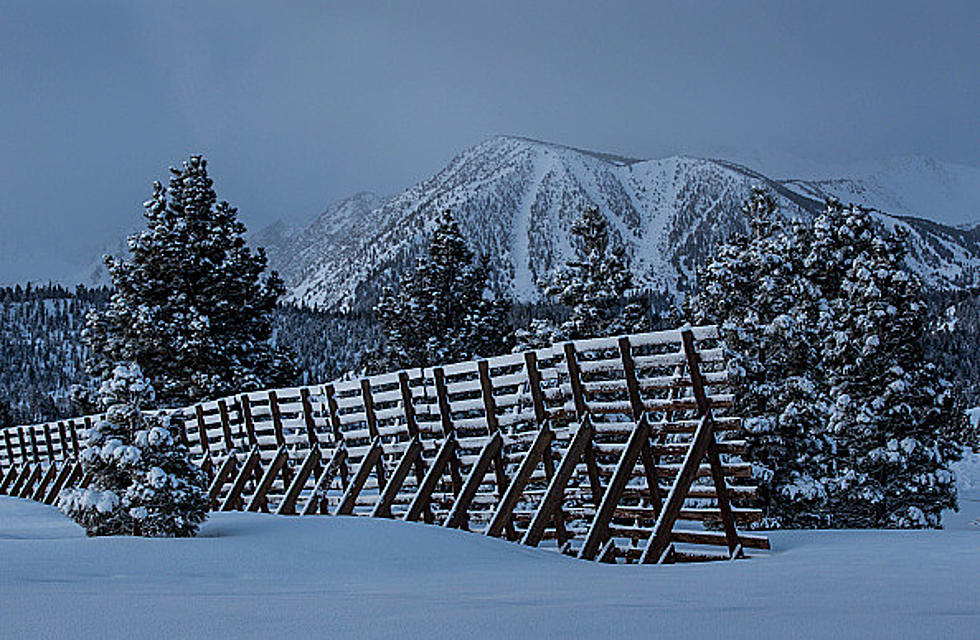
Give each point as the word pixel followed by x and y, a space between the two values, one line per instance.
pixel 255 575
pixel 515 198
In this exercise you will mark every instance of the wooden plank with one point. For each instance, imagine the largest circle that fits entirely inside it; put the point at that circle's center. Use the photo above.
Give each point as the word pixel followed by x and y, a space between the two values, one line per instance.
pixel 493 426
pixel 308 419
pixel 599 529
pixel 541 416
pixel 638 410
pixel 276 419
pixel 409 458
pixel 371 459
pixel 9 442
pixel 202 431
pixel 539 448
pixel 310 463
pixel 446 418
pixel 372 422
pixel 659 540
pixel 226 425
pixel 714 459
pixel 411 423
pixel 333 411
pixel 233 500
pixel 458 514
pixel 36 457
pixel 223 475
pixel 276 466
pixel 77 450
pixel 46 479
pixel 317 500
pixel 70 473
pixel 422 497
pixel 555 493
pixel 246 406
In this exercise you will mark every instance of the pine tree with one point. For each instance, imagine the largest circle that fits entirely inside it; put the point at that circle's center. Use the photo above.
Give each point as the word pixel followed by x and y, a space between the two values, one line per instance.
pixel 847 424
pixel 190 305
pixel 596 285
pixel 771 317
pixel 442 312
pixel 896 422
pixel 142 480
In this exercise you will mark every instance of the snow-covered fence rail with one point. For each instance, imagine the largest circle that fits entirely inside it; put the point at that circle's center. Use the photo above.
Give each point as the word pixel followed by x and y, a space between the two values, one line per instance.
pixel 599 448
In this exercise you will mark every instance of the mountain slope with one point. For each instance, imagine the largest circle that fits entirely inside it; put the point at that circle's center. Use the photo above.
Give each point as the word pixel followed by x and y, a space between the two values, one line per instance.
pixel 516 198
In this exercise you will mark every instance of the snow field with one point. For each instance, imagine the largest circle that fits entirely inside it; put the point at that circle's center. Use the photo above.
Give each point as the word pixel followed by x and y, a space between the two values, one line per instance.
pixel 255 575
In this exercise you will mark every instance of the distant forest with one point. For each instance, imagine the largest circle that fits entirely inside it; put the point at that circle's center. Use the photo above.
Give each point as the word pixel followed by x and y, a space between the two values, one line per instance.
pixel 42 354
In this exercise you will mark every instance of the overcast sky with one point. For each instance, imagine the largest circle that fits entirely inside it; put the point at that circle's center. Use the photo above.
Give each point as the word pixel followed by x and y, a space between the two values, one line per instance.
pixel 299 104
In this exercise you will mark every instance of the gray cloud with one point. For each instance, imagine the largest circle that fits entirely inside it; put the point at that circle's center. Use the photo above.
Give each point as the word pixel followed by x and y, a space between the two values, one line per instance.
pixel 297 104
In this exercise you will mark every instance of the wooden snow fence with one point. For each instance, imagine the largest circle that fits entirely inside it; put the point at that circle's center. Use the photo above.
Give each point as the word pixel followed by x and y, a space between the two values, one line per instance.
pixel 611 449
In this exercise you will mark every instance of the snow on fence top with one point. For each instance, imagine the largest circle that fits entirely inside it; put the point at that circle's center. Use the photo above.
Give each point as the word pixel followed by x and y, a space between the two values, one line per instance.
pixel 631 422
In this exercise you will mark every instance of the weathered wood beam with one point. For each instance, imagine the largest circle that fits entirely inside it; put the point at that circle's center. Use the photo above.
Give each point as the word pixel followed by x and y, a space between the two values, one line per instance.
pixel 423 496
pixel 233 499
pixel 371 458
pixel 318 497
pixel 459 513
pixel 382 509
pixel 223 475
pixel 259 502
pixel 310 463
pixel 538 450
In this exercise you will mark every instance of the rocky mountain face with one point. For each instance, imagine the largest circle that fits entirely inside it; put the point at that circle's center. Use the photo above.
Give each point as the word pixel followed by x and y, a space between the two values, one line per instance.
pixel 516 199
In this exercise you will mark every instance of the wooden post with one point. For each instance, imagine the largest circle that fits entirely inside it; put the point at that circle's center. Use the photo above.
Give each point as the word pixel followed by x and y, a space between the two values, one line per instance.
pixel 278 463
pixel 28 488
pixel 459 514
pixel 639 413
pixel 246 405
pixel 25 472
pixel 372 422
pixel 276 419
pixel 226 425
pixel 23 445
pixel 493 427
pixel 308 418
pixel 556 488
pixel 317 500
pixel 69 475
pixel 412 453
pixel 581 411
pixel 370 459
pixel 34 451
pixel 541 419
pixel 9 442
pixel 311 462
pixel 46 479
pixel 63 437
pixel 221 477
pixel 8 479
pixel 202 431
pixel 411 423
pixel 539 448
pixel 420 502
pixel 234 498
pixel 714 458
pixel 334 412
pixel 445 414
pixel 48 441
pixel 74 436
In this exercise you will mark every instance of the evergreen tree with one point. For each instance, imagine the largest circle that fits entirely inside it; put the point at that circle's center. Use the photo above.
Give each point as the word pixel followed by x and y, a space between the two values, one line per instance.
pixel 442 312
pixel 849 425
pixel 143 481
pixel 190 306
pixel 596 285
pixel 896 422
pixel 771 317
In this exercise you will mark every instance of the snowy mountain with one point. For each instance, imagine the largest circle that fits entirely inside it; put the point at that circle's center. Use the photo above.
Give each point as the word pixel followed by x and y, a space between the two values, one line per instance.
pixel 515 199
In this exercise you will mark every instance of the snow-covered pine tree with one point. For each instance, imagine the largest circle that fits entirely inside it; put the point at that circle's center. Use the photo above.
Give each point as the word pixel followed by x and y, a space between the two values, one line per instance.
pixel 442 312
pixel 142 480
pixel 772 318
pixel 596 285
pixel 895 422
pixel 191 306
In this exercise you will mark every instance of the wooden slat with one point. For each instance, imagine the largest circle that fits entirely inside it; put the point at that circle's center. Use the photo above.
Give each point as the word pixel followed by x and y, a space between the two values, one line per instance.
pixel 8 479
pixel 28 487
pixel 202 431
pixel 25 472
pixel 446 418
pixel 276 419
pixel 245 403
pixel 308 418
pixel 372 422
pixel 70 474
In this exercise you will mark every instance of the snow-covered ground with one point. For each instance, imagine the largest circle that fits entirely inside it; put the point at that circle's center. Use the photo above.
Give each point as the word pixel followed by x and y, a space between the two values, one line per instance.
pixel 254 575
